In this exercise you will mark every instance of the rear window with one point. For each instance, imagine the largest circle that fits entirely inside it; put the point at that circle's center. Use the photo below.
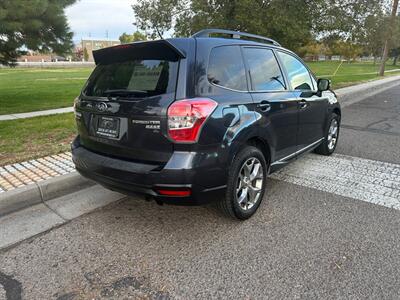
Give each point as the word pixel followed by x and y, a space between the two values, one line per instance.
pixel 133 79
pixel 226 68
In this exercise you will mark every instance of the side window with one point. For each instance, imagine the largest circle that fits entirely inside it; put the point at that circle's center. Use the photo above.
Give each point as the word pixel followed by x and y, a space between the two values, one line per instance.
pixel 226 68
pixel 264 70
pixel 298 74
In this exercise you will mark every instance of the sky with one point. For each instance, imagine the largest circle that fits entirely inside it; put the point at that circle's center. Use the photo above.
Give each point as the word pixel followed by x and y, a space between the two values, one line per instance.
pixel 95 18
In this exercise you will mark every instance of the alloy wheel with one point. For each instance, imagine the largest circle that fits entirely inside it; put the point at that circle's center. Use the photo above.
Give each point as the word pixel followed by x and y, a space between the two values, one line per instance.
pixel 333 134
pixel 249 184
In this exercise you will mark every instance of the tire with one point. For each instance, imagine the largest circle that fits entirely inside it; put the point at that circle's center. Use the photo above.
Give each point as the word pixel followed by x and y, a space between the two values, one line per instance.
pixel 241 187
pixel 326 147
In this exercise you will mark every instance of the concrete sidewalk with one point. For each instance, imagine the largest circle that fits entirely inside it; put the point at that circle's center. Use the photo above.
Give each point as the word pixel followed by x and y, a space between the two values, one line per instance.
pixel 36 113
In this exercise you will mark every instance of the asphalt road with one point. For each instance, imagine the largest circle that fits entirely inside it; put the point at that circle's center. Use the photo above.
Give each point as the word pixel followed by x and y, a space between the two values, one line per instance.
pixel 303 242
pixel 371 128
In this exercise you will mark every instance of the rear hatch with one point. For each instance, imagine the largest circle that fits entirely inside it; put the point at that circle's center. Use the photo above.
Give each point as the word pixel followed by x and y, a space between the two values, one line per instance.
pixel 122 110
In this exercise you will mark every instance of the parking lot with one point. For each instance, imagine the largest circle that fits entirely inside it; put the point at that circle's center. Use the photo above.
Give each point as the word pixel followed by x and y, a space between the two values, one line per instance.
pixel 327 228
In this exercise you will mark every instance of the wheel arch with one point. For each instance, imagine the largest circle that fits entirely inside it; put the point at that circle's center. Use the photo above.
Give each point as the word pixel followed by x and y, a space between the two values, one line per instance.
pixel 263 146
pixel 254 141
pixel 337 111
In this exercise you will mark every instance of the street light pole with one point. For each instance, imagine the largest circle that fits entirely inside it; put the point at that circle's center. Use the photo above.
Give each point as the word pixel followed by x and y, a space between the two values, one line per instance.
pixel 388 37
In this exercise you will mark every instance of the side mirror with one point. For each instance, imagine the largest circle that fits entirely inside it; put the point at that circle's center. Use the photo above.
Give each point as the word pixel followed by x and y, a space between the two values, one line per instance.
pixel 323 84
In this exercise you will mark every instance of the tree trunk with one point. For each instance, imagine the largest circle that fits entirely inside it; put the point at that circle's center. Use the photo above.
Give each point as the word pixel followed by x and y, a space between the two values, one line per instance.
pixel 384 58
pixel 388 37
pixel 395 60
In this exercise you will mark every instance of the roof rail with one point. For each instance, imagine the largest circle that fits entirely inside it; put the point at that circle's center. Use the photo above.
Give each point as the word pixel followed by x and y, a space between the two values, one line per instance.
pixel 234 35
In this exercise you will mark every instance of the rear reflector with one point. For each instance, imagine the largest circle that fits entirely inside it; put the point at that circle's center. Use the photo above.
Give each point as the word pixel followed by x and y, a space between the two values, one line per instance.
pixel 186 118
pixel 178 193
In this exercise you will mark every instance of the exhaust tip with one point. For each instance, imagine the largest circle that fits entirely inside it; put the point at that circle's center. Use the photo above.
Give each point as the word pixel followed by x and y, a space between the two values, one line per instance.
pixel 148 198
pixel 159 202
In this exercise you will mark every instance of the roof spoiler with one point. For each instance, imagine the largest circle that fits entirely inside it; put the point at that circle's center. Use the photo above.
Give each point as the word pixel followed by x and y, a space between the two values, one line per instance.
pixel 157 50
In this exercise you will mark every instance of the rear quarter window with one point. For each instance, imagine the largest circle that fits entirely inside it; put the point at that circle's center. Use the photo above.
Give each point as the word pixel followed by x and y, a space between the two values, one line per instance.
pixel 226 68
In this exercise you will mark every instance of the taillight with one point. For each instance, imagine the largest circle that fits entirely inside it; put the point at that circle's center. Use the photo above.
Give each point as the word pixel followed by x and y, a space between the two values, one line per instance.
pixel 186 117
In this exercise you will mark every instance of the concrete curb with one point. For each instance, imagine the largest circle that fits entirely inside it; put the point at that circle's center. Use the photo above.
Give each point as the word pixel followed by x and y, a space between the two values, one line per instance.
pixel 41 192
pixel 36 219
pixel 356 93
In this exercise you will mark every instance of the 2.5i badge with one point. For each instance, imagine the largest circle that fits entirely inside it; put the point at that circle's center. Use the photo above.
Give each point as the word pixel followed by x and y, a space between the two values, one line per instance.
pixel 149 124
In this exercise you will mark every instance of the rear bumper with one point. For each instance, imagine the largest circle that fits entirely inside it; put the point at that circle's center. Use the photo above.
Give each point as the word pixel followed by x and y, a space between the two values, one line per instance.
pixel 199 172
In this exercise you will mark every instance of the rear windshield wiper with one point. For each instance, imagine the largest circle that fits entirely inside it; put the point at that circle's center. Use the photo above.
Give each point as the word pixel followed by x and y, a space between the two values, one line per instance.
pixel 126 93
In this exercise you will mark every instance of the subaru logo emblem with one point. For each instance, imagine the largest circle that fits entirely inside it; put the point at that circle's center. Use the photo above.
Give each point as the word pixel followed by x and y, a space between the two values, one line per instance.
pixel 101 106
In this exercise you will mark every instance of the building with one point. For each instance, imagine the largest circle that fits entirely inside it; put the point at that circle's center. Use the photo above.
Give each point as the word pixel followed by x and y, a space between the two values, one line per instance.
pixel 34 56
pixel 91 44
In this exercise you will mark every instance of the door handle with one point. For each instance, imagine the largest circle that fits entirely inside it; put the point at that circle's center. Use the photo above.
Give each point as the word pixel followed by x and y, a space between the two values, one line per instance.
pixel 264 105
pixel 303 104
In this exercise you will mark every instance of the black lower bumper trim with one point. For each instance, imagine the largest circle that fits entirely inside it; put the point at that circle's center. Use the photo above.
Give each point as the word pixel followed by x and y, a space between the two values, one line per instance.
pixel 135 178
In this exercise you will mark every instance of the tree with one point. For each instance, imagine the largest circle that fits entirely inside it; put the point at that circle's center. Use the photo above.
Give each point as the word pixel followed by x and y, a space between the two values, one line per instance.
pixel 395 53
pixel 388 37
pixel 372 39
pixel 264 17
pixel 294 23
pixel 349 50
pixel 345 18
pixel 85 54
pixel 297 24
pixel 39 25
pixel 78 54
pixel 156 16
pixel 313 49
pixel 126 38
pixel 394 46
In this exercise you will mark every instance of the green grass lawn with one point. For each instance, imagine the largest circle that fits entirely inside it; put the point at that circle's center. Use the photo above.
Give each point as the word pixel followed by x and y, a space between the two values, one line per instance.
pixel 349 73
pixel 25 139
pixel 24 90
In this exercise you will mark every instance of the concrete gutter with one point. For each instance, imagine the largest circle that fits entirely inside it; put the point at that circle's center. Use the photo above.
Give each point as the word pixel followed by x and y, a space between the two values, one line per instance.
pixel 36 208
pixel 42 191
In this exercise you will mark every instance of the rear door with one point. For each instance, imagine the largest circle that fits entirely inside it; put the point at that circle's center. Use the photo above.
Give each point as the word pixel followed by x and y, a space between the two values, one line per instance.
pixel 123 105
pixel 276 106
pixel 312 107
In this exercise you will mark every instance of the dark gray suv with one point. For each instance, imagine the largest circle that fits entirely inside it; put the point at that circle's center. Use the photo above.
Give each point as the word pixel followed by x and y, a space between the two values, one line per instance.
pixel 207 118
